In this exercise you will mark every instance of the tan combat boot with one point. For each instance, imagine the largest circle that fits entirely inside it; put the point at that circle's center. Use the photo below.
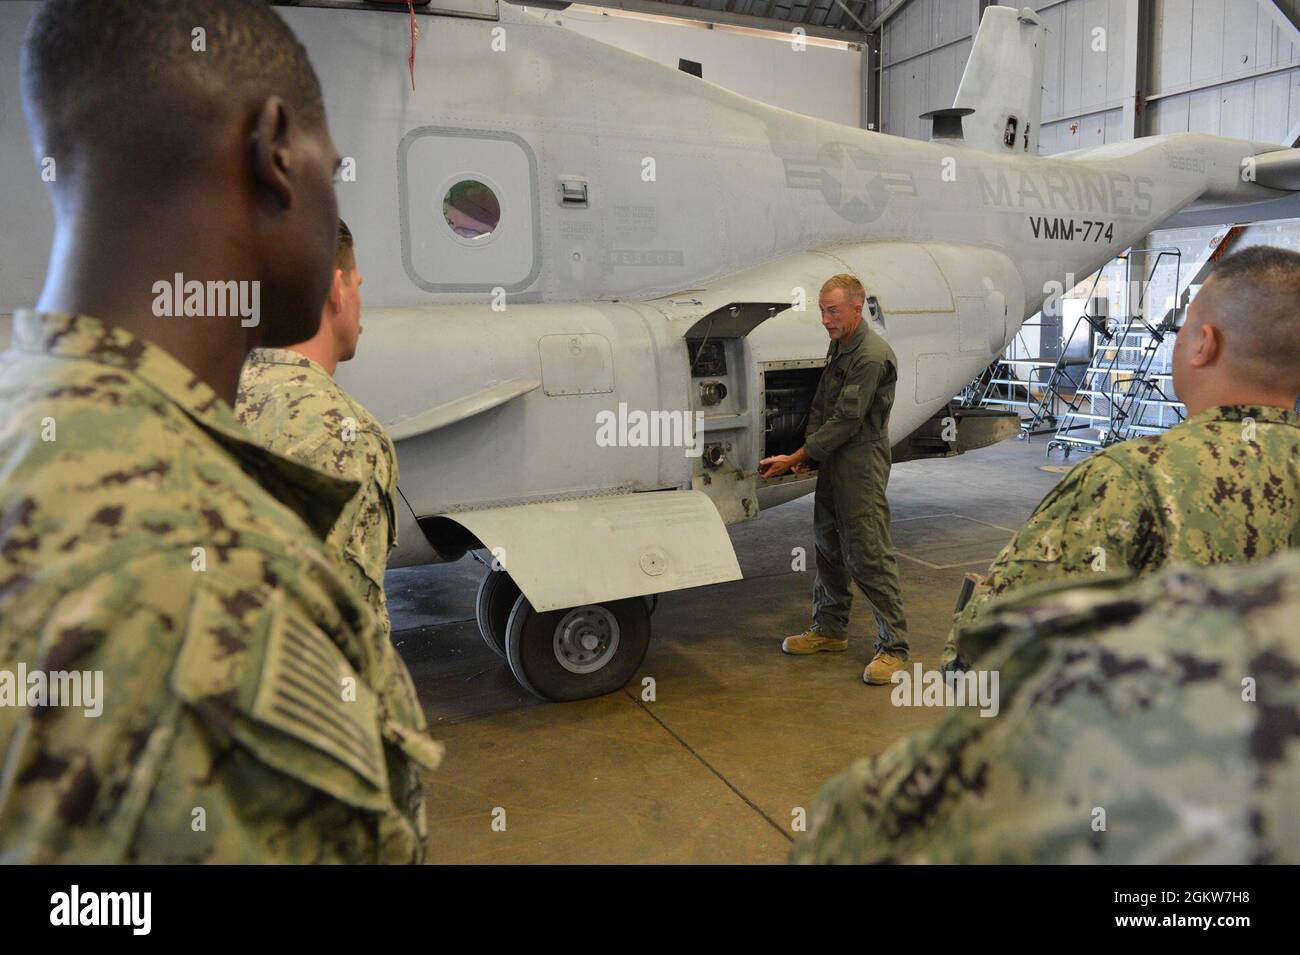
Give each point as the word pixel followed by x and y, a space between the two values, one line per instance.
pixel 810 641
pixel 881 668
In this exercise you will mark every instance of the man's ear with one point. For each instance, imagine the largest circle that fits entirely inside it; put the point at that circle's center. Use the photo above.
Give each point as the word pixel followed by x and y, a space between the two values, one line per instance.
pixel 336 292
pixel 1209 345
pixel 270 152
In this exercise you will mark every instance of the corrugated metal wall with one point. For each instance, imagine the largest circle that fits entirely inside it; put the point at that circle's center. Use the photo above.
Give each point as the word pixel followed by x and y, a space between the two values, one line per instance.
pixel 1204 60
pixel 1082 87
pixel 1223 42
pixel 923 51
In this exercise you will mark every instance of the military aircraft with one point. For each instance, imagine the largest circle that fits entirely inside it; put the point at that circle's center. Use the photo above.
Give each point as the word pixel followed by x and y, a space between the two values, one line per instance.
pixel 594 283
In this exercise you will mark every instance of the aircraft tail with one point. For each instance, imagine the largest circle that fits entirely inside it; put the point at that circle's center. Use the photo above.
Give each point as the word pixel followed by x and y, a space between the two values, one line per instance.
pixel 1003 82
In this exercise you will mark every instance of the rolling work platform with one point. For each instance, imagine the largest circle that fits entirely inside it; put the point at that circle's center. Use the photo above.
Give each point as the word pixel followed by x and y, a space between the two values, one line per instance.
pixel 1021 384
pixel 1045 376
pixel 1124 391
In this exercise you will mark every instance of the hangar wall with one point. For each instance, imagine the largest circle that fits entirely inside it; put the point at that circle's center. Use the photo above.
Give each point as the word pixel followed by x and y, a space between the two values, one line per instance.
pixel 819 80
pixel 1227 67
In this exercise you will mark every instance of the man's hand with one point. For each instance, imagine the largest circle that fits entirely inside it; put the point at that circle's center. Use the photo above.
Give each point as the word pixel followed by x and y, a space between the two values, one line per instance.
pixel 778 464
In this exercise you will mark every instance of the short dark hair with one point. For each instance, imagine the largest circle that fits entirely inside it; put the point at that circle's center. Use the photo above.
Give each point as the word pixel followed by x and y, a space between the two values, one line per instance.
pixel 344 256
pixel 101 74
pixel 1265 262
pixel 1255 298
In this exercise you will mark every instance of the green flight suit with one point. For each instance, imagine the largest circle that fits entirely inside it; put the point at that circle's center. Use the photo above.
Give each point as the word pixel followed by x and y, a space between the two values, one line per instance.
pixel 848 435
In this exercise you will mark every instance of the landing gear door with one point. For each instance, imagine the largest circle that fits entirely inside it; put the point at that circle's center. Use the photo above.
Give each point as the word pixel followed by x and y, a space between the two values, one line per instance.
pixel 727 433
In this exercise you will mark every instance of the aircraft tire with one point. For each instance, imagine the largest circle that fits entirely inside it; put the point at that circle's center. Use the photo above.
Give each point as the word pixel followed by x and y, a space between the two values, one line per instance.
pixel 497 593
pixel 577 652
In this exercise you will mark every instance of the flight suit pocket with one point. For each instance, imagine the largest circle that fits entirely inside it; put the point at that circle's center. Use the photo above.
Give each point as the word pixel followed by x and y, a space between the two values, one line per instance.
pixel 850 402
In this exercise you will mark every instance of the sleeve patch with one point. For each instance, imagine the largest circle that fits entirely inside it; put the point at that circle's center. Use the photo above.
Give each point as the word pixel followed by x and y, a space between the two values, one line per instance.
pixel 308 690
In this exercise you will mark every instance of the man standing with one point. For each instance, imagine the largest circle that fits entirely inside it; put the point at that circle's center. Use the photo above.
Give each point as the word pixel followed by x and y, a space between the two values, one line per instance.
pixel 290 403
pixel 248 708
pixel 1222 486
pixel 848 435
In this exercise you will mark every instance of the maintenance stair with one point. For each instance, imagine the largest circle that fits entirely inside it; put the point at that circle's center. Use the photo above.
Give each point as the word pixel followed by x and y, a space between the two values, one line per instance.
pixel 1122 393
pixel 1022 384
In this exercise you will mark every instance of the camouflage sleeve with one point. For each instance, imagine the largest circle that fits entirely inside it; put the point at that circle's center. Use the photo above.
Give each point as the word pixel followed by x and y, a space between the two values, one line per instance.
pixel 367 525
pixel 916 802
pixel 852 819
pixel 1138 722
pixel 294 708
pixel 232 728
pixel 856 396
pixel 1095 521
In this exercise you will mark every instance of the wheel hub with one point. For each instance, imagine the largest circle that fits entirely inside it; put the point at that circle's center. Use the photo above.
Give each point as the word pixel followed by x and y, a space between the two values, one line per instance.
pixel 586 638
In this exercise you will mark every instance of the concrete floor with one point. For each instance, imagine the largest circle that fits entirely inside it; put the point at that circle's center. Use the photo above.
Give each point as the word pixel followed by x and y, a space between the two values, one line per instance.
pixel 740 735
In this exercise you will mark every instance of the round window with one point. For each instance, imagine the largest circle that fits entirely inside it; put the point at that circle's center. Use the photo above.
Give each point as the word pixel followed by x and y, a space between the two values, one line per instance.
pixel 471 209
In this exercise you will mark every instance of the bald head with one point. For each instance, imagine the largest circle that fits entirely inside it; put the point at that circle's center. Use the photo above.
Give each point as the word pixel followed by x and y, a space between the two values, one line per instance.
pixel 1241 340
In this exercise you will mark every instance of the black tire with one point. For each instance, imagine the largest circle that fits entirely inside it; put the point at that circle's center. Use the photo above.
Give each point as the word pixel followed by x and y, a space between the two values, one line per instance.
pixel 534 641
pixel 497 594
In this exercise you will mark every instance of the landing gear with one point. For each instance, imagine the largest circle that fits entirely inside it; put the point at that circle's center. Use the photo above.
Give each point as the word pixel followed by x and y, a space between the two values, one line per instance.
pixel 579 652
pixel 496 598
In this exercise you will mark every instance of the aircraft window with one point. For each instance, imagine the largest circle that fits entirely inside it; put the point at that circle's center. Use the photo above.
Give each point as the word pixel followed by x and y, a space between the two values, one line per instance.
pixel 471 209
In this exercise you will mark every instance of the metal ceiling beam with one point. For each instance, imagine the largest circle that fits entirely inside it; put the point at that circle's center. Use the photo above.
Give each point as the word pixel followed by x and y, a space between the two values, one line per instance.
pixel 852 16
pixel 1284 23
pixel 827 12
pixel 888 14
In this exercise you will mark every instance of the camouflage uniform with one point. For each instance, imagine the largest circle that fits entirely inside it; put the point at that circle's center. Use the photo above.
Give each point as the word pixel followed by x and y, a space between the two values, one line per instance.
pixel 252 711
pixel 292 405
pixel 848 435
pixel 1155 721
pixel 1222 486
